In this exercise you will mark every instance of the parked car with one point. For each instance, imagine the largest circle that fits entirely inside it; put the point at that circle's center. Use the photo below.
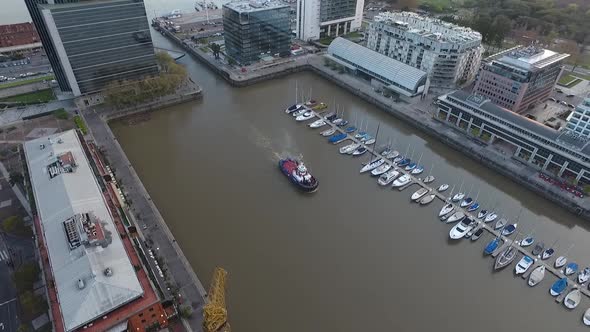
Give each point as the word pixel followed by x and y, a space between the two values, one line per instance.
pixel 571 106
pixel 563 103
pixel 570 95
pixel 552 99
pixel 558 90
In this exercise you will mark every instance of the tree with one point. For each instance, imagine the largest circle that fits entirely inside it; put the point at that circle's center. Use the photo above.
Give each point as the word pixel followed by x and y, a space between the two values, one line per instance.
pixel 571 47
pixel 25 276
pixel 32 304
pixel 15 225
pixel 407 4
pixel 186 311
pixel 16 177
pixel 23 328
pixel 501 27
pixel 216 48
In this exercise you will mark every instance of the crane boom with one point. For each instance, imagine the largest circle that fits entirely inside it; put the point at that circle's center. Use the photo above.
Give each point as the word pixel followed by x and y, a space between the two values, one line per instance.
pixel 215 312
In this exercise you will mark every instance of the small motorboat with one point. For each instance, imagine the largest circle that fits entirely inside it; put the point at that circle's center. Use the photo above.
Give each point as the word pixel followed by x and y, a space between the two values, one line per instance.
pixel 385 152
pixel 572 299
pixel 467 202
pixel 398 159
pixel 311 103
pixel 381 169
pixel 505 258
pixel 293 108
pixel 328 132
pixel 443 187
pixel 457 197
pixel 347 149
pixel 337 121
pixel 360 134
pixel 501 223
pixel 404 162
pixel 418 194
pixel 459 230
pixel 586 317
pixel 509 229
pixel 523 264
pixel 490 217
pixel 538 249
pixel 536 276
pixel 330 116
pixel 342 123
pixel 372 165
pixel 317 124
pixel 428 179
pixel 350 130
pixel 370 141
pixel 459 215
pixel 558 287
pixel 560 262
pixel 337 138
pixel 392 155
pixel 388 177
pixel 320 106
pixel 527 241
pixel 547 253
pixel 301 111
pixel 411 166
pixel 584 275
pixel 402 181
pixel 473 230
pixel 477 234
pixel 482 214
pixel 448 208
pixel 361 150
pixel 427 199
pixel 366 138
pixel 418 170
pixel 571 268
pixel 473 207
pixel 492 246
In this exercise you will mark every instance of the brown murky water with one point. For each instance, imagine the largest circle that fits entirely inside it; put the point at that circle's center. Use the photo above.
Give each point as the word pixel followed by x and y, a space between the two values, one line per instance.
pixel 351 257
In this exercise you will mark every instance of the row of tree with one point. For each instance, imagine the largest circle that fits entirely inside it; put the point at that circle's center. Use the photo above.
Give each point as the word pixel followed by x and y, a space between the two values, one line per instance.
pixel 122 94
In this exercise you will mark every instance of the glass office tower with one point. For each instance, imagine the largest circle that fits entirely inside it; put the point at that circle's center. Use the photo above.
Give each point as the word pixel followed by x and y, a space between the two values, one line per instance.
pixel 253 30
pixel 100 41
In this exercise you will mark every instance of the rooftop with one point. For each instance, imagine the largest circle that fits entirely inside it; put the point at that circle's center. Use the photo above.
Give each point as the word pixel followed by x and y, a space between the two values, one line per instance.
pixel 530 57
pixel 564 138
pixel 393 70
pixel 92 272
pixel 429 27
pixel 244 6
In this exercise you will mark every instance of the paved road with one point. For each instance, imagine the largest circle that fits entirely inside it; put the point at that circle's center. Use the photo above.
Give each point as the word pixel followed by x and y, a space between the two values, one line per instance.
pixel 157 233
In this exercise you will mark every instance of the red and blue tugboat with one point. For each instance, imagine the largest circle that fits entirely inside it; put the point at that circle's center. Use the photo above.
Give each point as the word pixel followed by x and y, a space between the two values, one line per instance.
pixel 298 174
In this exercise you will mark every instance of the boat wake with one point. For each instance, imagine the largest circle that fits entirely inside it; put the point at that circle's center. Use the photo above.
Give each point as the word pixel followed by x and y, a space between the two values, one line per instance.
pixel 288 145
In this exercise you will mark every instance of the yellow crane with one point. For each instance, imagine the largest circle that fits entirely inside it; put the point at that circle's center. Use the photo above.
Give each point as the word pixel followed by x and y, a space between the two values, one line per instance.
pixel 215 312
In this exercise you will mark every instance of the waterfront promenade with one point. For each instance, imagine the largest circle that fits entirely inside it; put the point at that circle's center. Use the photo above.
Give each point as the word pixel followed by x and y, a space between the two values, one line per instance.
pixel 156 232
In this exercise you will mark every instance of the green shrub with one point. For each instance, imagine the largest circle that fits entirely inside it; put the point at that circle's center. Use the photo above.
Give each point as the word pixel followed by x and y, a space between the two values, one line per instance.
pixel 81 124
pixel 61 113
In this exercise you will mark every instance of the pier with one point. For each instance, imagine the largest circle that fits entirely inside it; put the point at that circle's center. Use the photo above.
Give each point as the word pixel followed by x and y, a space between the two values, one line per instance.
pixel 507 241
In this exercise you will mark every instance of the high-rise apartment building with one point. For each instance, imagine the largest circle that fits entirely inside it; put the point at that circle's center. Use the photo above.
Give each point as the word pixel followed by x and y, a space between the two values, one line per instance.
pixel 46 40
pixel 327 18
pixel 253 30
pixel 579 120
pixel 450 54
pixel 520 78
pixel 98 42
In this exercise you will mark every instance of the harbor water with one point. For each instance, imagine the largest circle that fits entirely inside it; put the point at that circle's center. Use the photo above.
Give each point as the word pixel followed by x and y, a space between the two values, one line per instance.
pixel 353 256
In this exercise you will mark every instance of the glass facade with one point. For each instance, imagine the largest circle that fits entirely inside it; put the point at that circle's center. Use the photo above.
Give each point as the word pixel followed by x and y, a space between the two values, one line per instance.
pixel 331 10
pixel 46 40
pixel 105 41
pixel 251 32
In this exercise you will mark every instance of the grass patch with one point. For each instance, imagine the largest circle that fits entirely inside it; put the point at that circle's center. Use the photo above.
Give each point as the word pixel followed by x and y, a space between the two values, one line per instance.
pixel 568 80
pixel 25 82
pixel 81 124
pixel 37 97
pixel 353 35
pixel 326 40
pixel 61 114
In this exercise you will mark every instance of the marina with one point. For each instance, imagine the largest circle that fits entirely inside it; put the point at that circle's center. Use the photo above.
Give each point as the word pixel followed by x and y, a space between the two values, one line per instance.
pixel 505 254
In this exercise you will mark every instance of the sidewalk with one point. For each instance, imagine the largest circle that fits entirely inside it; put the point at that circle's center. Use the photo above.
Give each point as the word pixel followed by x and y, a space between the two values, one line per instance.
pixel 13 115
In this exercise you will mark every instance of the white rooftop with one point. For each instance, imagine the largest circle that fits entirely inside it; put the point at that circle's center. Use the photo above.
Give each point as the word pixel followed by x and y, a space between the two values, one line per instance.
pixel 531 56
pixel 84 290
pixel 244 6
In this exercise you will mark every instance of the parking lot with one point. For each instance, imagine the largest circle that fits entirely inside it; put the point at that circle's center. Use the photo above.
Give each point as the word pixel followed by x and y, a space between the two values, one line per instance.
pixel 34 63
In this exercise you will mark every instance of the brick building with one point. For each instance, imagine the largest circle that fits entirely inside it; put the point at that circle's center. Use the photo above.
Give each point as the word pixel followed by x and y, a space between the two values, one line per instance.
pixel 18 34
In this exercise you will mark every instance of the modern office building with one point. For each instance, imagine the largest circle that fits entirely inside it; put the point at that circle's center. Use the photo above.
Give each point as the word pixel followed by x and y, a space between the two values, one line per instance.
pixel 559 152
pixel 520 78
pixel 99 41
pixel 89 262
pixel 256 29
pixel 579 120
pixel 450 54
pixel 46 40
pixel 383 72
pixel 328 18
